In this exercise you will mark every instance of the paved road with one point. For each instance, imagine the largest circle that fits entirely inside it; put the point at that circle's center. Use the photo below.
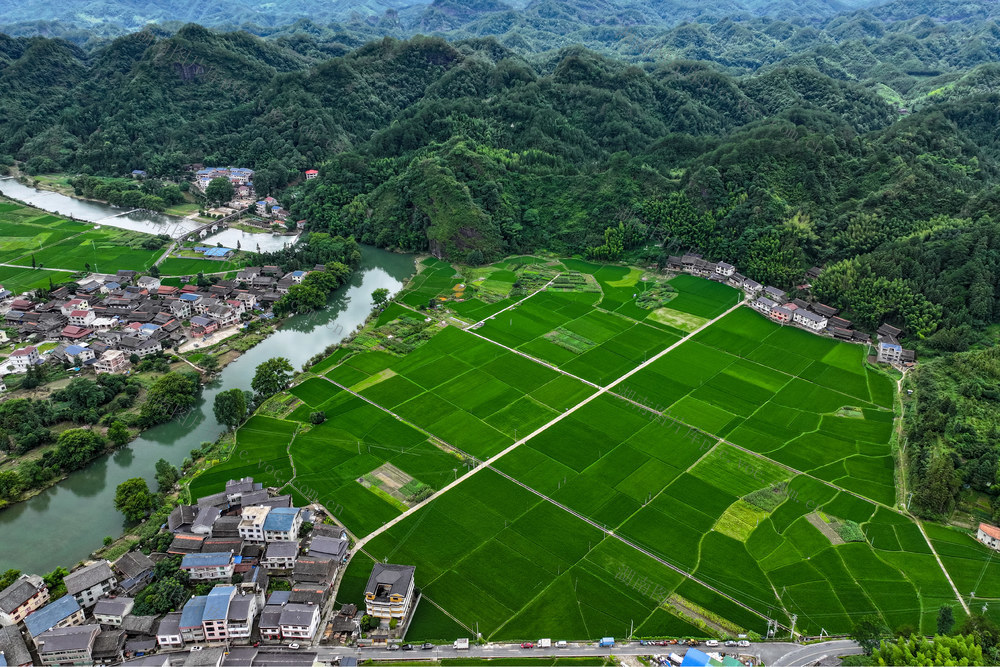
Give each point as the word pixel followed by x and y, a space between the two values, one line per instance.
pixel 778 654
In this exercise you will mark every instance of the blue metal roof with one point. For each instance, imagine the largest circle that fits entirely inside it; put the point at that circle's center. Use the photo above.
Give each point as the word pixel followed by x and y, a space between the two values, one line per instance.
pixel 217 606
pixel 218 252
pixel 48 616
pixel 280 518
pixel 207 560
pixel 695 658
pixel 73 350
pixel 190 297
pixel 193 612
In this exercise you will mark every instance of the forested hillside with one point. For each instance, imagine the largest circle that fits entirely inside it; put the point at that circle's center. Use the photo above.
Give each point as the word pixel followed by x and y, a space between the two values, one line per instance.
pixel 472 150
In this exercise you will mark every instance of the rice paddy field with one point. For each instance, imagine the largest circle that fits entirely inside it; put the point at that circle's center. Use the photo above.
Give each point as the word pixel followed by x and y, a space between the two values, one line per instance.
pixel 58 248
pixel 614 471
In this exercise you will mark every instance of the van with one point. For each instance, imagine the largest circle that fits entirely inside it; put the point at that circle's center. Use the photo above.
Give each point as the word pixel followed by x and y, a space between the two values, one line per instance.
pixel 561 643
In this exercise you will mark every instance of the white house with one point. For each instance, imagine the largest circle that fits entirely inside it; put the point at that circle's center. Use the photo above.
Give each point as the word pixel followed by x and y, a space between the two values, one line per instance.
pixel 989 535
pixel 90 583
pixel 251 527
pixel 24 358
pixel 22 597
pixel 299 621
pixel 82 318
pixel 891 353
pixel 282 524
pixel 764 305
pixel 111 611
pixel 209 565
pixel 722 268
pixel 809 319
pixel 168 634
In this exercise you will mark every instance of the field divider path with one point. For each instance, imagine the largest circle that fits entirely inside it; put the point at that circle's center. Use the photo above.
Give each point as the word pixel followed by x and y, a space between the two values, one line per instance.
pixel 947 576
pixel 541 429
pixel 516 303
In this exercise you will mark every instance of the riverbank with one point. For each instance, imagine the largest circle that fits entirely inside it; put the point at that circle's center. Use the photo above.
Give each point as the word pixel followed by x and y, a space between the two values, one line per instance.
pixel 78 511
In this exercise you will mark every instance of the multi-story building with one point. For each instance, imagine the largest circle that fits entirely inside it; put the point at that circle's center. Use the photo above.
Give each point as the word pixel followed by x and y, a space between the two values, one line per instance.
pixel 68 646
pixel 190 625
pixel 282 524
pixel 215 617
pixel 111 611
pixel 989 535
pixel 389 592
pixel 90 583
pixel 62 613
pixel 280 555
pixel 23 358
pixel 251 526
pixel 112 361
pixel 168 634
pixel 890 353
pixel 21 598
pixel 207 566
pixel 299 621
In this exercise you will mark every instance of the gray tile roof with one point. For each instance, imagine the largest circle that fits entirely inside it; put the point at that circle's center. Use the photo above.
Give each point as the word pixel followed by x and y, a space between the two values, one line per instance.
pixel 134 563
pixel 88 576
pixel 73 638
pixel 297 614
pixel 19 592
pixel 13 647
pixel 170 624
pixel 113 606
pixel 332 547
pixel 388 579
pixel 139 625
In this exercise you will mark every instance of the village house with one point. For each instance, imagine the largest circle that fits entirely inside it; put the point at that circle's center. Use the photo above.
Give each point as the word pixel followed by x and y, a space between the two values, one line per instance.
pixel 752 287
pixel 67 646
pixel 764 305
pixel 23 358
pixel 311 174
pixel 64 612
pixel 168 633
pixel 216 613
pixel 112 361
pixel 13 649
pixel 208 566
pixel 22 597
pixel 202 325
pixel 389 592
pixel 282 524
pixel 251 526
pixel 298 621
pixel 90 583
pixel 77 354
pixel 280 555
pixel 781 314
pixel 149 283
pixel 73 333
pixel 191 624
pixel 72 305
pixel 141 347
pixel 111 611
pixel 989 535
pixel 775 294
pixel 724 269
pixel 889 353
pixel 809 319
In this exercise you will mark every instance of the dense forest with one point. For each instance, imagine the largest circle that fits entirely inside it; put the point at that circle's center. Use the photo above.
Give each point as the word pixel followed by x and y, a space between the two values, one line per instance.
pixel 858 137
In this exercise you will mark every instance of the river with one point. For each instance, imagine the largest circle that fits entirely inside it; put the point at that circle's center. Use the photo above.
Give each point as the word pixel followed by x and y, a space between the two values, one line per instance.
pixel 137 221
pixel 65 523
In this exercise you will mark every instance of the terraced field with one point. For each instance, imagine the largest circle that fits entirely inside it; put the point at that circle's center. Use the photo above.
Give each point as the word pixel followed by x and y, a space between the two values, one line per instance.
pixel 732 470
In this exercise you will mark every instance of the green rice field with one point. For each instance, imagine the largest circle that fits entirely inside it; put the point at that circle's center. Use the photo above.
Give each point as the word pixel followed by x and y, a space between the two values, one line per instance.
pixel 626 481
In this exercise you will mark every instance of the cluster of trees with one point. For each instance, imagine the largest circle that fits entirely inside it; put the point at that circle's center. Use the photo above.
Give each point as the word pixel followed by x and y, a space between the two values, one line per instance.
pixel 975 642
pixel 74 449
pixel 313 249
pixel 149 194
pixel 952 427
pixel 171 395
pixel 272 376
pixel 314 290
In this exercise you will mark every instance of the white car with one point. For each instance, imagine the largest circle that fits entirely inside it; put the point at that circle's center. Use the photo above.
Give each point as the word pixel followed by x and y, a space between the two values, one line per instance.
pixel 743 643
pixel 712 642
pixel 293 646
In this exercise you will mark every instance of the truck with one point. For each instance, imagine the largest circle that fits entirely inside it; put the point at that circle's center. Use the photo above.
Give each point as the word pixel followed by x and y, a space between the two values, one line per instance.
pixel 462 644
pixel 675 659
pixel 606 642
pixel 544 643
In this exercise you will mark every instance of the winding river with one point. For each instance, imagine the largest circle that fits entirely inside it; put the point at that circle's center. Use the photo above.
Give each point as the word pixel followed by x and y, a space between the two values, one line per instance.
pixel 65 523
pixel 137 221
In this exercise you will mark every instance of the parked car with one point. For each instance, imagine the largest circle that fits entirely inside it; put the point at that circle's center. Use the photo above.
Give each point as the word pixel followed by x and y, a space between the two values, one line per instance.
pixel 743 643
pixel 293 646
pixel 730 642
pixel 407 647
pixel 527 645
pixel 712 642
pixel 392 647
pixel 426 645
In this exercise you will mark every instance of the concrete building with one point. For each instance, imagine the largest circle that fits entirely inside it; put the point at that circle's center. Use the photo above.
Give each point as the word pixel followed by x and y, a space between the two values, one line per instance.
pixel 24 357
pixel 207 566
pixel 389 592
pixel 90 583
pixel 251 526
pixel 111 611
pixel 299 621
pixel 68 646
pixel 62 613
pixel 21 598
pixel 989 535
pixel 112 361
pixel 890 353
pixel 282 524
pixel 168 634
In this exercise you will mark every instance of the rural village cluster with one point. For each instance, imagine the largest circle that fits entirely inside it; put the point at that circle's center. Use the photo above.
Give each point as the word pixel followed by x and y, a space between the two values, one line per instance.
pixel 245 535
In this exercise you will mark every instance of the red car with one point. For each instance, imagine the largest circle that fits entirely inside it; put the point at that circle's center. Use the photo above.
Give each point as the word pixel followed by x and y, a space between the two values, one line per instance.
pixel 527 645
